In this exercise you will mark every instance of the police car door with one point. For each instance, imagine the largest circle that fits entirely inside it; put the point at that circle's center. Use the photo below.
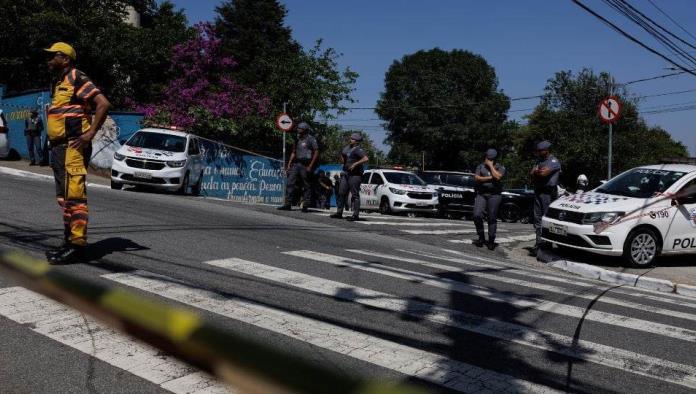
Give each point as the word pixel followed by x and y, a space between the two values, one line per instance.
pixel 194 154
pixel 365 191
pixel 681 235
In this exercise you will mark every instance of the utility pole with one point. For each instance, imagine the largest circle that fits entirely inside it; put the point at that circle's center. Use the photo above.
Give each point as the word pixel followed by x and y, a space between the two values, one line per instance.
pixel 423 160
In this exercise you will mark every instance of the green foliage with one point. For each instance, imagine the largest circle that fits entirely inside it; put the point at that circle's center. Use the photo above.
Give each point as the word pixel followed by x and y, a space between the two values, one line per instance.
pixel 332 140
pixel 567 116
pixel 446 104
pixel 253 32
pixel 127 63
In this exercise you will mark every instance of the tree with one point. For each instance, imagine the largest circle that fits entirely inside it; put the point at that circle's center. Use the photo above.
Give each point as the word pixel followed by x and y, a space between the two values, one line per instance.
pixel 444 103
pixel 273 63
pixel 567 116
pixel 125 61
pixel 203 96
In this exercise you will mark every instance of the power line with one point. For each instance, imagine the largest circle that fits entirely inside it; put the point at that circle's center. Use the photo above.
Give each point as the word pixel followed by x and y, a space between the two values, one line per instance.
pixel 630 37
pixel 625 8
pixel 670 18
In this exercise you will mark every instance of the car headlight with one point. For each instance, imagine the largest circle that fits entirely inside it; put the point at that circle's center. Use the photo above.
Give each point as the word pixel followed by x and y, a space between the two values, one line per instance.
pixel 605 217
pixel 397 191
pixel 176 164
pixel 118 156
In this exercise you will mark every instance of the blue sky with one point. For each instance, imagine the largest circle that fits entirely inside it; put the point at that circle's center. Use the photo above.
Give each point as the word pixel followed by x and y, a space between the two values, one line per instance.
pixel 526 41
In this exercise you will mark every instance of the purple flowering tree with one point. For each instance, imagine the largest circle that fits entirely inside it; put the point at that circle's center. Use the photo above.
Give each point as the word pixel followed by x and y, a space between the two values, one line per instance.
pixel 203 97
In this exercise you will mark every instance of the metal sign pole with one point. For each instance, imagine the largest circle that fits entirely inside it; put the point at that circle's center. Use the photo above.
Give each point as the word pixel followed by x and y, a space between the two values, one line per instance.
pixel 285 177
pixel 611 93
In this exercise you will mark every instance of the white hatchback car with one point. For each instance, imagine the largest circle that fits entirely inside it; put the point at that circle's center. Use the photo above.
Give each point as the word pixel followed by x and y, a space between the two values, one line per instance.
pixel 160 158
pixel 640 214
pixel 396 191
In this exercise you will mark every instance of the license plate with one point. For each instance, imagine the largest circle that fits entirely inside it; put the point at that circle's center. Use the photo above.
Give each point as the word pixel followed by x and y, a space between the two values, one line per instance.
pixel 421 204
pixel 558 229
pixel 142 175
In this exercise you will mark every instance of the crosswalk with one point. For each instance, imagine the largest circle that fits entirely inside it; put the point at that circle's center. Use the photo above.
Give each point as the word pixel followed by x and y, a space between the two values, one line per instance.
pixel 454 231
pixel 532 312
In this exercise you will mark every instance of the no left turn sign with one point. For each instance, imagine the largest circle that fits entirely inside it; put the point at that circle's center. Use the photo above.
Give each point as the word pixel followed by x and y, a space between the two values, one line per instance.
pixel 609 109
pixel 284 122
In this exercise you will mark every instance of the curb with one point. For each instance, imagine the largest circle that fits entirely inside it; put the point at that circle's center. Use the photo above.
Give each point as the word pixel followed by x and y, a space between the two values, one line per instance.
pixel 619 278
pixel 33 175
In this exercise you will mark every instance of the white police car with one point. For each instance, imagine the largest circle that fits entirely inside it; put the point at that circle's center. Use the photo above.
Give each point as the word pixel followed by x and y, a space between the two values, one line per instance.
pixel 396 191
pixel 640 214
pixel 161 158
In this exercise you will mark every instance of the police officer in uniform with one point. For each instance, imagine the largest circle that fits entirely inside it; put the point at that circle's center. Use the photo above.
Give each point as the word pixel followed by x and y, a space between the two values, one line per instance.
pixel 353 158
pixel 544 176
pixel 489 189
pixel 70 129
pixel 303 157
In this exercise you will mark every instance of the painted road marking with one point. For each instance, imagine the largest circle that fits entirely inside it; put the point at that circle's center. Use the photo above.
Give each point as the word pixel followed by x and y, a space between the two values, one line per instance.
pixel 502 240
pixel 43 177
pixel 583 350
pixel 390 355
pixel 444 232
pixel 531 284
pixel 503 297
pixel 70 327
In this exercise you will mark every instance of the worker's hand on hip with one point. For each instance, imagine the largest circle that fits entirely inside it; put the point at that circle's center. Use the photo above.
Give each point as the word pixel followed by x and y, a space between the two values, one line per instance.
pixel 80 141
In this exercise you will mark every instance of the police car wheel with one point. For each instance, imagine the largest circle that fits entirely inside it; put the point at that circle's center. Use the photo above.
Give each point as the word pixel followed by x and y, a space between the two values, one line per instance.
pixel 641 247
pixel 509 213
pixel 116 185
pixel 184 185
pixel 384 207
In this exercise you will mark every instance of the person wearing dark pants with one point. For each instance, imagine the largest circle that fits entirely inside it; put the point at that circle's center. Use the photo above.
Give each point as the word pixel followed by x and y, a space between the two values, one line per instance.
pixel 489 188
pixel 544 176
pixel 33 126
pixel 353 158
pixel 303 157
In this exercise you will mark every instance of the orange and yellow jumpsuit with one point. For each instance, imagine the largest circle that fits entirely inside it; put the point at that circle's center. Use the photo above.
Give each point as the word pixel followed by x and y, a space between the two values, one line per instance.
pixel 68 117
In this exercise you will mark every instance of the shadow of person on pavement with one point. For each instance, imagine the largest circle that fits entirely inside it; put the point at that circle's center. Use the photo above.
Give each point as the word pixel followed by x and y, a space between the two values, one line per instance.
pixel 105 247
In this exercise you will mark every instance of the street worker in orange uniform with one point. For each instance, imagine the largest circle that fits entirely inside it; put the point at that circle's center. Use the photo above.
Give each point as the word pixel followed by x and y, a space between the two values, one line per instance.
pixel 71 128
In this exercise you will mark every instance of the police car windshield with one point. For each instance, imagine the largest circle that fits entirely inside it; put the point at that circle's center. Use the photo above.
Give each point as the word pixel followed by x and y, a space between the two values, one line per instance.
pixel 402 178
pixel 431 178
pixel 641 183
pixel 159 141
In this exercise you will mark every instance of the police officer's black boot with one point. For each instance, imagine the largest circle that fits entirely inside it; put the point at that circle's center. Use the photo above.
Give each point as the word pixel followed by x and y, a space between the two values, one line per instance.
pixel 478 242
pixel 491 244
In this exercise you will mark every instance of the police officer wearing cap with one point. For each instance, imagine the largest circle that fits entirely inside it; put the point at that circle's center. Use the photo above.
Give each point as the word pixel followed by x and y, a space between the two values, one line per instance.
pixel 489 189
pixel 303 157
pixel 544 176
pixel 353 158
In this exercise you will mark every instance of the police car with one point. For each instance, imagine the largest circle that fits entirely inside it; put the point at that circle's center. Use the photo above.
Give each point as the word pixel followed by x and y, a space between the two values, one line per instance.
pixel 456 191
pixel 396 191
pixel 161 158
pixel 640 214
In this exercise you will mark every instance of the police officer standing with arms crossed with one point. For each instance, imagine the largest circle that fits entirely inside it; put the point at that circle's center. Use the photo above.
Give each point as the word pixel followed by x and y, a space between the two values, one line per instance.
pixel 489 189
pixel 303 157
pixel 544 176
pixel 353 158
pixel 71 128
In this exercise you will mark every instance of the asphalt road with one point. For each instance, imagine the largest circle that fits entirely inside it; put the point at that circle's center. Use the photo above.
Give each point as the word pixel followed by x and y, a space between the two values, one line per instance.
pixel 365 298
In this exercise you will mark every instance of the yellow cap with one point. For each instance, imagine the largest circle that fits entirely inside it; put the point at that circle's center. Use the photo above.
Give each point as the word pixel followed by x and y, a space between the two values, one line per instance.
pixel 63 48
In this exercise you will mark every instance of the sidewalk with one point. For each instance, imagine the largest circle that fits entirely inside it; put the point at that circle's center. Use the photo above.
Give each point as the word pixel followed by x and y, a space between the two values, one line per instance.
pixel 99 177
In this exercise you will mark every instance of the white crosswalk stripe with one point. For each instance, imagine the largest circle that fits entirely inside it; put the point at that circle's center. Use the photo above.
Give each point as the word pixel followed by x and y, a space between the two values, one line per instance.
pixel 530 284
pixel 517 301
pixel 62 324
pixel 583 350
pixel 72 328
pixel 500 240
pixel 390 355
pixel 445 232
pixel 411 224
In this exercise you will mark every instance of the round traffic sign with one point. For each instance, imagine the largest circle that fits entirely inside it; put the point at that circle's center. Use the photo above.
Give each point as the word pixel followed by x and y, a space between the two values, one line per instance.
pixel 609 109
pixel 284 122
